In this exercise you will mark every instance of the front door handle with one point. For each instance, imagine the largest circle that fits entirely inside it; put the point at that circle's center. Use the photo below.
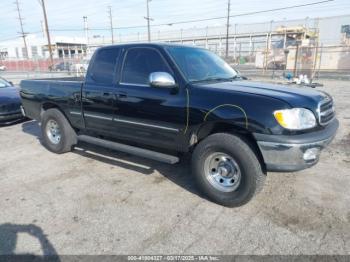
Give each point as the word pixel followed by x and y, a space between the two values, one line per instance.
pixel 122 95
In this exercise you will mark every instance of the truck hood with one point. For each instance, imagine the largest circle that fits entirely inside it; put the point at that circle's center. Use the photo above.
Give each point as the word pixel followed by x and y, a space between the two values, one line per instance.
pixel 294 96
pixel 9 95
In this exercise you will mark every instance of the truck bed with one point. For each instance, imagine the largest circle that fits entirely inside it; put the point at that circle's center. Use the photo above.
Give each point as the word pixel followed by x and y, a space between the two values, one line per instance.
pixel 39 93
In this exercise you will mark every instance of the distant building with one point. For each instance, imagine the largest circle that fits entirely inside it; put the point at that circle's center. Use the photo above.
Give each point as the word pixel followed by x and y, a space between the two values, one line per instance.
pixel 62 47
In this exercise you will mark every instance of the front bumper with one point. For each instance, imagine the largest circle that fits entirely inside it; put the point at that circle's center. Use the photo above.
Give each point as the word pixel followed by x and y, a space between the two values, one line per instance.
pixel 10 117
pixel 293 153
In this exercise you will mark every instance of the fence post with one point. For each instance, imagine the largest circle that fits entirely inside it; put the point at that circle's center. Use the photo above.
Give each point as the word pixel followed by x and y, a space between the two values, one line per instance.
pixel 319 62
pixel 239 53
pixel 181 31
pixel 206 37
pixel 250 47
pixel 315 62
pixel 296 60
pixel 266 53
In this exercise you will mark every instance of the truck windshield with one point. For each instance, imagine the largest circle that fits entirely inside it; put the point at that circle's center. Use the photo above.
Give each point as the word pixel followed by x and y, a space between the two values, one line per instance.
pixel 201 65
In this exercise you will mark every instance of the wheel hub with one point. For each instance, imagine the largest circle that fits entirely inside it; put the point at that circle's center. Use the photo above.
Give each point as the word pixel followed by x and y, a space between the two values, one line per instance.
pixel 53 131
pixel 222 172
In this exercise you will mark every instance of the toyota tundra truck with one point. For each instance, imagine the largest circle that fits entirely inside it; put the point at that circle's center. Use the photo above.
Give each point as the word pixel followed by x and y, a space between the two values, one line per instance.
pixel 164 101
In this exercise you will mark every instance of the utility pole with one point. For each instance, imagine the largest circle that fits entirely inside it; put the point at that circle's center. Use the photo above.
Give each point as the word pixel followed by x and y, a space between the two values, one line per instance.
pixel 22 31
pixel 228 26
pixel 148 21
pixel 42 2
pixel 42 28
pixel 86 30
pixel 111 22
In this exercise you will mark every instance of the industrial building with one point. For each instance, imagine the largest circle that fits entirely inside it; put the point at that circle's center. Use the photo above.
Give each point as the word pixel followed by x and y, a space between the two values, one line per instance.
pixel 62 47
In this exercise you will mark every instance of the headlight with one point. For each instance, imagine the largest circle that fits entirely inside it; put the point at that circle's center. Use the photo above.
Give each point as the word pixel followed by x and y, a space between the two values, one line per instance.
pixel 295 118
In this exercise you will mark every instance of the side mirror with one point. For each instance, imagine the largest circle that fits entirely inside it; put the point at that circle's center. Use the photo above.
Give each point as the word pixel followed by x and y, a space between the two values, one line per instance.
pixel 161 80
pixel 11 83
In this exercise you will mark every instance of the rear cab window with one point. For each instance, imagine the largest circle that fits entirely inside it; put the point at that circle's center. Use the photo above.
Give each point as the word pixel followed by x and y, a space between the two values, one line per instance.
pixel 103 69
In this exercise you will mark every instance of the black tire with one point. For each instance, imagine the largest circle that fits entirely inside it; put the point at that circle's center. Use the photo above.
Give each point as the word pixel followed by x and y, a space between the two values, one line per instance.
pixel 251 179
pixel 68 137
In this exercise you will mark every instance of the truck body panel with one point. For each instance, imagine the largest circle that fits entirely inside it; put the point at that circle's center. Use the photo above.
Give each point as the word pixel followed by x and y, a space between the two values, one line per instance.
pixel 116 107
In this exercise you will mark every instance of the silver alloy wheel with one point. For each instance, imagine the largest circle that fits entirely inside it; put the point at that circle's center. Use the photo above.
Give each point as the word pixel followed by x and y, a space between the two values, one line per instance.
pixel 222 172
pixel 53 131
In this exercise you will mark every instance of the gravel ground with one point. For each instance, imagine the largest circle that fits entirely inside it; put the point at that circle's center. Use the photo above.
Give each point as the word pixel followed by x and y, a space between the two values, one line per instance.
pixel 95 201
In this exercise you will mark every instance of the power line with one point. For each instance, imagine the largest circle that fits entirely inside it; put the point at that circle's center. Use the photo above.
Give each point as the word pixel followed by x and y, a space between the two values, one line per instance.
pixel 194 20
pixel 9 38
pixel 23 35
pixel 246 14
pixel 204 19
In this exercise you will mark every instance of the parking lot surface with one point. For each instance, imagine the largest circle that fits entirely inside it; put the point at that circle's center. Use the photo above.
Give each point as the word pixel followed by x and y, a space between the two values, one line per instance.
pixel 96 201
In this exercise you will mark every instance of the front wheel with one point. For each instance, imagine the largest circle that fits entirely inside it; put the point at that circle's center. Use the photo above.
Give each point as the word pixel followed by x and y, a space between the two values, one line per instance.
pixel 58 135
pixel 227 170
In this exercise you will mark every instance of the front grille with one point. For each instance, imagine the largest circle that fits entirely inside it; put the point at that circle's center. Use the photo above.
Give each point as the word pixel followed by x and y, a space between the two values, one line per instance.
pixel 326 111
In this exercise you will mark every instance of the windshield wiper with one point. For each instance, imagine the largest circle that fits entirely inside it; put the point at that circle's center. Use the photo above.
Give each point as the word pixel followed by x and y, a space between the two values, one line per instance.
pixel 208 79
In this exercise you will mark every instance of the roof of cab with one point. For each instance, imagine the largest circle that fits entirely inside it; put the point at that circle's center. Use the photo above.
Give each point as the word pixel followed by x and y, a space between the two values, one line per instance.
pixel 147 45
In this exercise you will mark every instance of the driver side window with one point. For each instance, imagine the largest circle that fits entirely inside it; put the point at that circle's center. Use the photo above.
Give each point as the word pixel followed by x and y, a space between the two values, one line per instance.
pixel 140 63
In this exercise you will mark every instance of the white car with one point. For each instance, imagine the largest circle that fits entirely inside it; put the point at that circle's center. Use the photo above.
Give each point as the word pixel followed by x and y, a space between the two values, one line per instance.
pixel 81 68
pixel 2 68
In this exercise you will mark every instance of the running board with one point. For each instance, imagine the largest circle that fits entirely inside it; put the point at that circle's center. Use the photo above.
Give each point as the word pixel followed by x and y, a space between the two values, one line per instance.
pixel 169 159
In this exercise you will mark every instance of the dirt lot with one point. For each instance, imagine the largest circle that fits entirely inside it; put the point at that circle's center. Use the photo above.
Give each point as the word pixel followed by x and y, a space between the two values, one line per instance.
pixel 94 201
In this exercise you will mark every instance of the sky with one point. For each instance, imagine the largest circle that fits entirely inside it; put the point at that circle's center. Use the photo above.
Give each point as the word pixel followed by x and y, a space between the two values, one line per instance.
pixel 67 15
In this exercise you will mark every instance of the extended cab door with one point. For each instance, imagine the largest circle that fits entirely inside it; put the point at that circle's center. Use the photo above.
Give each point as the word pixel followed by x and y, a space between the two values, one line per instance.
pixel 98 94
pixel 153 116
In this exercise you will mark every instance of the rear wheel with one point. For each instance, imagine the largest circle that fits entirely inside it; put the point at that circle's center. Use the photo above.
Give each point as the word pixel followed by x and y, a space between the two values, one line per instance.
pixel 58 135
pixel 227 170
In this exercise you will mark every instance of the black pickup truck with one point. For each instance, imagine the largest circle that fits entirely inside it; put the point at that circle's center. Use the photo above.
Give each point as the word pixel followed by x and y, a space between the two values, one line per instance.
pixel 162 101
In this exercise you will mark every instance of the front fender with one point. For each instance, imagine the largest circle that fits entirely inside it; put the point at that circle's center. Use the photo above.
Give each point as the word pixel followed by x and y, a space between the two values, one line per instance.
pixel 230 112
